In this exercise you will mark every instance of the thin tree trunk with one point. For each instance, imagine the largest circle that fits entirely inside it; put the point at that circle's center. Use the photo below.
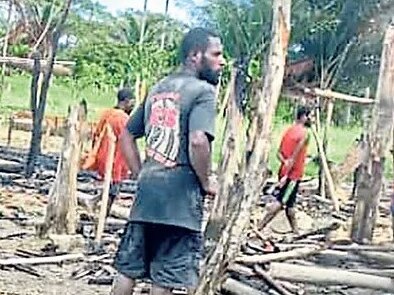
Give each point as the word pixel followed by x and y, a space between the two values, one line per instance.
pixel 165 27
pixel 370 176
pixel 143 24
pixel 36 132
pixel 233 234
pixel 61 209
pixel 38 115
pixel 5 47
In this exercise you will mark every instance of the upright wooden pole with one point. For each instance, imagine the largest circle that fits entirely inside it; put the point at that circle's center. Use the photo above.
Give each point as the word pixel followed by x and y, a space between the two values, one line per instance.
pixel 228 242
pixel 61 209
pixel 228 165
pixel 107 181
pixel 326 170
pixel 369 180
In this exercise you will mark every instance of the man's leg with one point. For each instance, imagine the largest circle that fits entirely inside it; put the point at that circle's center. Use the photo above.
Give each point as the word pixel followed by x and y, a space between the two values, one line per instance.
pixel 270 213
pixel 114 190
pixel 175 261
pixel 130 259
pixel 156 290
pixel 273 210
pixel 122 285
pixel 290 203
pixel 291 217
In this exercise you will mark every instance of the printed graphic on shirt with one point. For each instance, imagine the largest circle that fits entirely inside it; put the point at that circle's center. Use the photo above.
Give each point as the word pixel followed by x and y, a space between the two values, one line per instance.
pixel 163 139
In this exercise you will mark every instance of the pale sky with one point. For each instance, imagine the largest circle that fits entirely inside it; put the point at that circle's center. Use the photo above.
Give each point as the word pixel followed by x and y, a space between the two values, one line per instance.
pixel 153 6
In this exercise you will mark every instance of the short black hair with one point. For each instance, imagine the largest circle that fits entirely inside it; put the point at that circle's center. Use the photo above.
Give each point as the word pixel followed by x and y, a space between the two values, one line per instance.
pixel 125 94
pixel 303 111
pixel 194 40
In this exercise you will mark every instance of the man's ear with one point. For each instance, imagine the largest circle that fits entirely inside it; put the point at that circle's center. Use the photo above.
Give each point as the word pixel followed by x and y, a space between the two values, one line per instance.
pixel 195 56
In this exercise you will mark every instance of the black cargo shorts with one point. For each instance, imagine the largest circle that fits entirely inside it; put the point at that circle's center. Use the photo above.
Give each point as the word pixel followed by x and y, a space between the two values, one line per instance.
pixel 167 255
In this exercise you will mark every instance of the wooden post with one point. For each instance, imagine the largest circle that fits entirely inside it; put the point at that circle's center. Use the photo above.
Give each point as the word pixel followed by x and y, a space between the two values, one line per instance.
pixel 10 127
pixel 36 133
pixel 107 181
pixel 330 111
pixel 61 209
pixel 229 162
pixel 228 243
pixel 326 170
pixel 369 182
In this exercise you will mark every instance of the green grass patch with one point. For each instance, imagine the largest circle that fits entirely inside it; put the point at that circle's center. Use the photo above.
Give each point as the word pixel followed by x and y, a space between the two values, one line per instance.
pixel 17 97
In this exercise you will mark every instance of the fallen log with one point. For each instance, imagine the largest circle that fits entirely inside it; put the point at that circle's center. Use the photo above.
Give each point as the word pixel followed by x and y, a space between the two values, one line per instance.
pixel 378 272
pixel 241 269
pixel 270 281
pixel 120 211
pixel 296 253
pixel 329 276
pixel 107 280
pixel 42 260
pixel 383 258
pixel 334 256
pixel 323 230
pixel 287 247
pixel 357 247
pixel 234 287
pixel 10 166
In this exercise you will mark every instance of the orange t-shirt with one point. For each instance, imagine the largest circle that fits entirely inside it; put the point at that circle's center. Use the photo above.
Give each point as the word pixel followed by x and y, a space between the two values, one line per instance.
pixel 117 119
pixel 291 138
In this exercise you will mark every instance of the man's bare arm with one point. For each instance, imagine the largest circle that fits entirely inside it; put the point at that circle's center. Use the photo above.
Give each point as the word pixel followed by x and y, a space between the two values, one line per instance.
pixel 200 157
pixel 280 157
pixel 130 152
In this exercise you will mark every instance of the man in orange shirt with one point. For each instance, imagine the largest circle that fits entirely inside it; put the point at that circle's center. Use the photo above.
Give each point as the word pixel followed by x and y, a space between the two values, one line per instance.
pixel 117 118
pixel 292 155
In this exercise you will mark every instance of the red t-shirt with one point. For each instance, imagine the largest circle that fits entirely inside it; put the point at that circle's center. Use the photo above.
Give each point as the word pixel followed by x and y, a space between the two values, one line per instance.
pixel 291 138
pixel 117 119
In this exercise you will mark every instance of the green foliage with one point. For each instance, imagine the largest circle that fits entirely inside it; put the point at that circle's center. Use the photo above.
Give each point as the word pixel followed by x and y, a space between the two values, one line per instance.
pixel 111 64
pixel 19 50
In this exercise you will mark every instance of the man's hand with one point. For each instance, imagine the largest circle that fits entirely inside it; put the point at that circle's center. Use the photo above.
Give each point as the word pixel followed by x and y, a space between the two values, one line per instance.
pixel 211 188
pixel 130 153
pixel 288 163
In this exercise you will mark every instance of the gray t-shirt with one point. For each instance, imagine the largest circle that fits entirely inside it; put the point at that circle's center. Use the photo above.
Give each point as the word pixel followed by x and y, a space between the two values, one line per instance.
pixel 168 188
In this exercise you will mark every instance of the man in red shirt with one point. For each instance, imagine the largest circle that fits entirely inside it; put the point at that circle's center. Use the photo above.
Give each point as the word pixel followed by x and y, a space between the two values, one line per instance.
pixel 116 118
pixel 292 155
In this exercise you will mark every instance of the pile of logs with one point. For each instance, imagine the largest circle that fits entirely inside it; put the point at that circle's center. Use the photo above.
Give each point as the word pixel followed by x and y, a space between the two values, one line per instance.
pixel 283 264
pixel 313 262
pixel 295 265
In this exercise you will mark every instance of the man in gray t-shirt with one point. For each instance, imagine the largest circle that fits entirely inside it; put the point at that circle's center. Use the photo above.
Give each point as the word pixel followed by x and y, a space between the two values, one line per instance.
pixel 162 240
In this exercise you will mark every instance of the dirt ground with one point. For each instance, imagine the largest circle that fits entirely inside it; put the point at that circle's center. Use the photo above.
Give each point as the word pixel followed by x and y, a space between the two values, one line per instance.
pixel 56 279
